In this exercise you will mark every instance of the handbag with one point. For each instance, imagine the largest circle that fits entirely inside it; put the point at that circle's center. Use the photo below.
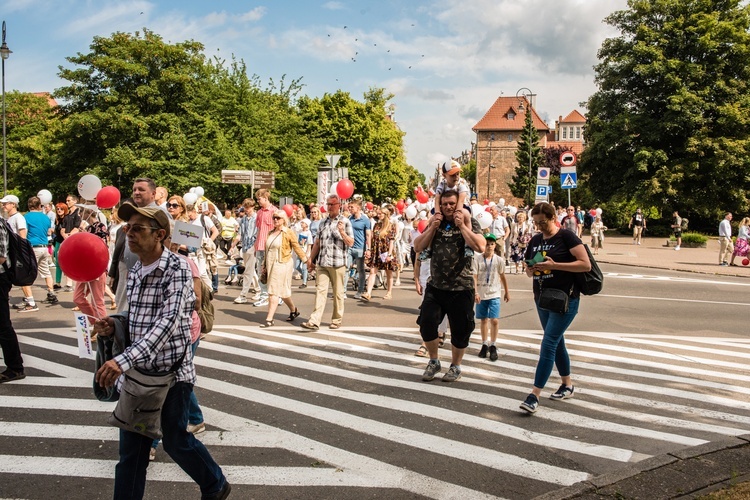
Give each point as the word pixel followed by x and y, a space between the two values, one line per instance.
pixel 142 397
pixel 553 300
pixel 590 282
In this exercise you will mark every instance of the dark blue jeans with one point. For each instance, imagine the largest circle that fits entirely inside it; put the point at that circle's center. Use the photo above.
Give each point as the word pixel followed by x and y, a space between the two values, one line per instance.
pixel 188 452
pixel 553 351
pixel 8 338
pixel 357 256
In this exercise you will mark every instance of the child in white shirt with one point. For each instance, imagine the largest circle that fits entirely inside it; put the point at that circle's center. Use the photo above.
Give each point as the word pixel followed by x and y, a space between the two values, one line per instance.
pixel 488 271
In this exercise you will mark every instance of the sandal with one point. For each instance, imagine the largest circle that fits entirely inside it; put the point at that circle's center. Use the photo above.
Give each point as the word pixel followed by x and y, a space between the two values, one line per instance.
pixel 365 297
pixel 267 324
pixel 422 352
pixel 334 326
pixel 293 315
pixel 76 308
pixel 441 339
pixel 388 296
pixel 113 306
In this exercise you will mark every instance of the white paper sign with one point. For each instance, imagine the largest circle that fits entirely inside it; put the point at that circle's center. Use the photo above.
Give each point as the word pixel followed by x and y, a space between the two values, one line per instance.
pixel 83 332
pixel 187 234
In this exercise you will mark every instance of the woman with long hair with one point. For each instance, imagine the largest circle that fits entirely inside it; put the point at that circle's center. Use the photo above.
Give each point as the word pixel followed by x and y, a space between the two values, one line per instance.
pixel 382 256
pixel 555 256
pixel 177 208
pixel 61 210
pixel 519 239
pixel 741 246
pixel 280 243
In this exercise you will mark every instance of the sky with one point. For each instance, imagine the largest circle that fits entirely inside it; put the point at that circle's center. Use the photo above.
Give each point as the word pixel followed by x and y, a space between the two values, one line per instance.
pixel 444 61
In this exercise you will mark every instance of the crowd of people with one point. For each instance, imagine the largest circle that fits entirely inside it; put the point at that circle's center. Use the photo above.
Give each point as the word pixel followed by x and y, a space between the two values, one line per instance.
pixel 459 253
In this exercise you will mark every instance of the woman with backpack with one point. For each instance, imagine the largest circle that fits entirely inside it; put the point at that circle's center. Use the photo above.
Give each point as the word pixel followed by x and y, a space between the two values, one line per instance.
pixel 553 257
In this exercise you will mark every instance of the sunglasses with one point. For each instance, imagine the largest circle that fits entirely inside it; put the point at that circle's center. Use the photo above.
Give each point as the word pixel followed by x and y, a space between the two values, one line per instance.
pixel 277 218
pixel 331 204
pixel 137 228
pixel 173 205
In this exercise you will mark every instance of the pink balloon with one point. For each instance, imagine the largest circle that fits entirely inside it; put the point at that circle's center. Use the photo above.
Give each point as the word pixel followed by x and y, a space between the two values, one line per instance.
pixel 345 189
pixel 422 197
pixel 83 257
pixel 288 209
pixel 108 197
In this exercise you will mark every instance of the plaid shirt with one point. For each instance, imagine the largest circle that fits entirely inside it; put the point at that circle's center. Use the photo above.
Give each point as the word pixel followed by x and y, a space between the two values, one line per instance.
pixel 3 244
pixel 264 225
pixel 159 316
pixel 333 250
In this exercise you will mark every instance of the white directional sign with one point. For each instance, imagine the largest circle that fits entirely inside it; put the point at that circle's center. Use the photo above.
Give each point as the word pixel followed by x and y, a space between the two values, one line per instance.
pixel 333 160
pixel 568 181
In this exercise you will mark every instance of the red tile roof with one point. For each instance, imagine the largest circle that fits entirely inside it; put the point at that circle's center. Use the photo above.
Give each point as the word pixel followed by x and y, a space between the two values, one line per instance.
pixel 51 100
pixel 575 146
pixel 574 117
pixel 496 118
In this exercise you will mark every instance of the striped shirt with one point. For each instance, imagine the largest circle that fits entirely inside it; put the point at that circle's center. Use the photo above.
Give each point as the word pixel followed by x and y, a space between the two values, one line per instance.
pixel 333 250
pixel 159 316
pixel 264 225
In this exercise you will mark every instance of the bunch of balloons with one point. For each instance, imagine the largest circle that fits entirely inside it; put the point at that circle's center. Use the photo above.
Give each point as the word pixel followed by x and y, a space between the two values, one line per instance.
pixel 193 195
pixel 90 188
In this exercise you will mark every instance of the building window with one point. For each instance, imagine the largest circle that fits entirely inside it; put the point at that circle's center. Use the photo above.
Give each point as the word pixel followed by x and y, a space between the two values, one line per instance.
pixel 578 132
pixel 511 115
pixel 510 137
pixel 565 132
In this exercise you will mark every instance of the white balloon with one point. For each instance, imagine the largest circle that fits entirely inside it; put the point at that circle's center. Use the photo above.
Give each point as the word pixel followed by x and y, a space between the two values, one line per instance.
pixel 598 211
pixel 334 186
pixel 200 191
pixel 513 211
pixel 484 219
pixel 502 202
pixel 408 201
pixel 476 209
pixel 191 190
pixel 89 186
pixel 492 204
pixel 190 198
pixel 44 196
pixel 411 212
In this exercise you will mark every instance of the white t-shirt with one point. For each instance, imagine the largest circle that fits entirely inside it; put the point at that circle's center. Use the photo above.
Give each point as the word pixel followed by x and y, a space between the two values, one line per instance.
pixel 17 222
pixel 498 227
pixel 461 187
pixel 488 273
pixel 208 222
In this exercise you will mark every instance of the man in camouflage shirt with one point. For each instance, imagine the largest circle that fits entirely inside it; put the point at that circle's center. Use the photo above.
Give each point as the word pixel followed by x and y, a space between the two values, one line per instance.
pixel 450 289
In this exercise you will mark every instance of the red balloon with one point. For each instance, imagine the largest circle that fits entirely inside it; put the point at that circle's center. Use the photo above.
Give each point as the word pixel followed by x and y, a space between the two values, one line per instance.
pixel 369 205
pixel 322 209
pixel 400 205
pixel 108 197
pixel 422 197
pixel 486 202
pixel 288 209
pixel 417 189
pixel 592 212
pixel 421 226
pixel 83 257
pixel 487 209
pixel 745 262
pixel 345 189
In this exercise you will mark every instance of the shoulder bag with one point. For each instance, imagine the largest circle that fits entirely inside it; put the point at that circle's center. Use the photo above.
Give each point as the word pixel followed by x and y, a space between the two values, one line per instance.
pixel 553 300
pixel 591 282
pixel 142 398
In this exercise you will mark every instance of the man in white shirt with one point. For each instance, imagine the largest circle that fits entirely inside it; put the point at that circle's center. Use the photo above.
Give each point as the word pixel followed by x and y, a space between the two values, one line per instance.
pixel 725 239
pixel 18 225
pixel 499 227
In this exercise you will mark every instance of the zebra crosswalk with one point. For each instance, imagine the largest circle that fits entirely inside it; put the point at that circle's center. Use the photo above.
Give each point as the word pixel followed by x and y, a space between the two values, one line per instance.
pixel 344 413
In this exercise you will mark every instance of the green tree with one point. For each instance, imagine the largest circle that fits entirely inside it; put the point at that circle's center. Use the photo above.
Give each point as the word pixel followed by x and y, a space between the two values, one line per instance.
pixel 469 172
pixel 670 123
pixel 524 179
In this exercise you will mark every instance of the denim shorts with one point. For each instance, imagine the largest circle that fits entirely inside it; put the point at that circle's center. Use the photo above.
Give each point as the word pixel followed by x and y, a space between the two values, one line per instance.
pixel 489 309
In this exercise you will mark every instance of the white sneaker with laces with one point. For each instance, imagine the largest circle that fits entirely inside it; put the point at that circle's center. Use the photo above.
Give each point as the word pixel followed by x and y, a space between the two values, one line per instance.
pixel 240 300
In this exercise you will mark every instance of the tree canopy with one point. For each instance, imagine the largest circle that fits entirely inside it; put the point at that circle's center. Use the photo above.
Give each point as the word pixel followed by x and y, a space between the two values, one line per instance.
pixel 669 125
pixel 149 108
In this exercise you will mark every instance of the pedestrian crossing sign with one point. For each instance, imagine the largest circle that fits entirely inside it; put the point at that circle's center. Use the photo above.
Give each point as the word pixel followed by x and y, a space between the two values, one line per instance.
pixel 569 181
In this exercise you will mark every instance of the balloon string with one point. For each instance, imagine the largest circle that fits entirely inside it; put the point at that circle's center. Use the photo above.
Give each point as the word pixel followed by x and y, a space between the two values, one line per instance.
pixel 91 292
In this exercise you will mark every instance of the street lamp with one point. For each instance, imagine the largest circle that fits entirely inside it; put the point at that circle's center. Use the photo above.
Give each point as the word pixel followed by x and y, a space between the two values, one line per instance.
pixel 527 94
pixel 4 53
pixel 490 166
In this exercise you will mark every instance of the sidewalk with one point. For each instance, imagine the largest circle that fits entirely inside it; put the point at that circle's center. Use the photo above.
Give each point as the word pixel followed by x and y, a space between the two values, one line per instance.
pixel 692 472
pixel 652 253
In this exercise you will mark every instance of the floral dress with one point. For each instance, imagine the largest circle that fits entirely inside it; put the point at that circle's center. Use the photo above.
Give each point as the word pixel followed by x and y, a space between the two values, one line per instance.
pixel 518 244
pixel 381 246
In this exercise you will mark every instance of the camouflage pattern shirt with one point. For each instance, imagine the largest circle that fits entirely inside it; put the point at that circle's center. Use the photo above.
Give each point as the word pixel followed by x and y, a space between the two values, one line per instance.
pixel 450 267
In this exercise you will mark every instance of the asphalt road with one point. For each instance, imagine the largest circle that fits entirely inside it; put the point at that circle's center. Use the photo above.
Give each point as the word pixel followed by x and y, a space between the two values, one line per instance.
pixel 659 361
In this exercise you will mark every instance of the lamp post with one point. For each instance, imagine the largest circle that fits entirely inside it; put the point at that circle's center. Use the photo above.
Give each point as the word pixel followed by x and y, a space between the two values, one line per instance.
pixel 527 94
pixel 4 53
pixel 490 166
pixel 119 176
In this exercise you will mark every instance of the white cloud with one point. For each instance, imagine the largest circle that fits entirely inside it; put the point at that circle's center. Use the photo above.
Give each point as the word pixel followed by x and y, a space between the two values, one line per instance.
pixel 333 6
pixel 111 17
pixel 254 15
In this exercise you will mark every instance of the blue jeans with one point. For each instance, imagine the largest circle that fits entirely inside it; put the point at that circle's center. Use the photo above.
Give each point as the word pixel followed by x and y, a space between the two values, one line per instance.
pixel 357 256
pixel 301 267
pixel 195 415
pixel 553 351
pixel 187 452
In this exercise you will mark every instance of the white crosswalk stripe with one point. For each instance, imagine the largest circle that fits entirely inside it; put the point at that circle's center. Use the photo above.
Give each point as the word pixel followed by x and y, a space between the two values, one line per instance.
pixel 351 403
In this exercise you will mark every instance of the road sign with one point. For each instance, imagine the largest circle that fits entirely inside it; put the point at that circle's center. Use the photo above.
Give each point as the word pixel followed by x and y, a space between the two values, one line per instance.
pixel 541 191
pixel 333 160
pixel 568 158
pixel 258 180
pixel 567 170
pixel 542 174
pixel 568 181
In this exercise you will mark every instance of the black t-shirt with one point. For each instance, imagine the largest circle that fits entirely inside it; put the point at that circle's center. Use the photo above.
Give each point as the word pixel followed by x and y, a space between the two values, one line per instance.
pixel 558 249
pixel 637 220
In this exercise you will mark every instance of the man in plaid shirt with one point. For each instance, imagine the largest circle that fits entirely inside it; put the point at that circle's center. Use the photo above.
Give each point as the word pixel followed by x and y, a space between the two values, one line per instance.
pixel 8 338
pixel 335 236
pixel 160 299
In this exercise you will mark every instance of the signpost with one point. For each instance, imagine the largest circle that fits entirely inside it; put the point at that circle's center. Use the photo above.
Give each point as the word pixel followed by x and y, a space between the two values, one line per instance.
pixel 256 179
pixel 568 176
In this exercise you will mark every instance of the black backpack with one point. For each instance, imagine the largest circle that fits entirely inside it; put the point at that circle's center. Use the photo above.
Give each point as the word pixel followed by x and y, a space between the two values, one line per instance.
pixel 591 282
pixel 20 266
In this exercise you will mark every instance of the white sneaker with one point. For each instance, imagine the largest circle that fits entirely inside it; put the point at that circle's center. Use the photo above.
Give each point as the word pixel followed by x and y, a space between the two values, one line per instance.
pixel 229 262
pixel 677 247
pixel 240 300
pixel 398 283
pixel 262 302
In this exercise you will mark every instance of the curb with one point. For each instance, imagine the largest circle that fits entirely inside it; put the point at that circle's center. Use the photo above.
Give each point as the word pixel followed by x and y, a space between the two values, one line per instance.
pixel 667 268
pixel 651 466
